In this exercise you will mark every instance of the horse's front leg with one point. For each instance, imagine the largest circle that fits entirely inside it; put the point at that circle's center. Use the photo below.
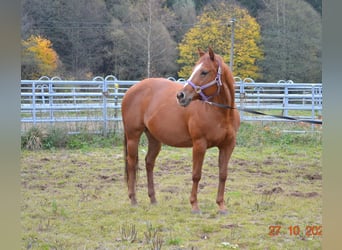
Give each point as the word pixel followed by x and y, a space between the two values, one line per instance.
pixel 224 155
pixel 198 152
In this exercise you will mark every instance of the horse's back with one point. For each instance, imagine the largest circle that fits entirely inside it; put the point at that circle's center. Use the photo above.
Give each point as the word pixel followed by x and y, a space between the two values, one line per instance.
pixel 141 95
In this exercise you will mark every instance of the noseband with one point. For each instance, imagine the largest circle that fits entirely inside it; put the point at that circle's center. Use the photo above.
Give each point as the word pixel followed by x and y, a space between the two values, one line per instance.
pixel 199 89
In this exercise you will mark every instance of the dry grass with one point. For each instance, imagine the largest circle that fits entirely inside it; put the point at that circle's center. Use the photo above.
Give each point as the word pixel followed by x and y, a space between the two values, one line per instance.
pixel 77 199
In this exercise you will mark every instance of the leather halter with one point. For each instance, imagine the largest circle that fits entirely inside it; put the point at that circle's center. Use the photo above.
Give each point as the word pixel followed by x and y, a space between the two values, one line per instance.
pixel 199 89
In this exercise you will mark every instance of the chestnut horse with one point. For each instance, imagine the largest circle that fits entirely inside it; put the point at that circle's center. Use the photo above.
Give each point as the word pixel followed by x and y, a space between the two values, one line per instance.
pixel 181 116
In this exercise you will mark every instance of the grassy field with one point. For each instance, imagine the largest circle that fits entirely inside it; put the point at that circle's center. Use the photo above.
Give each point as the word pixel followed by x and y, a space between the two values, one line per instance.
pixel 77 198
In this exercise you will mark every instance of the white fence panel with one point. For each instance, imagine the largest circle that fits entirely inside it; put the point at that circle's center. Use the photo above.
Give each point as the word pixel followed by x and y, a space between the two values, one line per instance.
pixel 95 105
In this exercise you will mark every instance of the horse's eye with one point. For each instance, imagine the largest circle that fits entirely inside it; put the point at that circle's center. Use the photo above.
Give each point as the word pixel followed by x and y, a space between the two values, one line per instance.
pixel 204 73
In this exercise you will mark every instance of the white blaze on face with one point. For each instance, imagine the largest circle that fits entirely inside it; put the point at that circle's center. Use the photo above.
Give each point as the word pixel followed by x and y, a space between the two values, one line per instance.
pixel 197 68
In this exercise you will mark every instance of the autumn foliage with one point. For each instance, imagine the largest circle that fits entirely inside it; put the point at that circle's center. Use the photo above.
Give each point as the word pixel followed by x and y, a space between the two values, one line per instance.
pixel 38 58
pixel 214 29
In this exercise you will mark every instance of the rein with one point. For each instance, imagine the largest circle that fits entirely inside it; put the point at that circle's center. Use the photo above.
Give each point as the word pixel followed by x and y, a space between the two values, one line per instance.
pixel 261 113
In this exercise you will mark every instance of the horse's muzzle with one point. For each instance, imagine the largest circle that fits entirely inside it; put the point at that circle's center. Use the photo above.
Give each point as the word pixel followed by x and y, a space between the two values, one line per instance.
pixel 183 99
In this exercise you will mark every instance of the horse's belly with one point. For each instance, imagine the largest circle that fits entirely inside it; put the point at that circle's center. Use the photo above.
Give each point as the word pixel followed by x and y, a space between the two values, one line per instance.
pixel 169 127
pixel 169 133
pixel 175 140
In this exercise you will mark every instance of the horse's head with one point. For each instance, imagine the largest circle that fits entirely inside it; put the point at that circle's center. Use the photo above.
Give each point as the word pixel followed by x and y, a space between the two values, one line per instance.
pixel 205 79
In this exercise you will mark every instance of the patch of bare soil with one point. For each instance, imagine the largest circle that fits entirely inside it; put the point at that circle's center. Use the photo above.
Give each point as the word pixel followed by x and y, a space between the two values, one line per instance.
pixel 275 190
pixel 257 171
pixel 172 190
pixel 268 162
pixel 240 162
pixel 304 195
pixel 229 226
pixel 313 177
pixel 171 166
pixel 108 178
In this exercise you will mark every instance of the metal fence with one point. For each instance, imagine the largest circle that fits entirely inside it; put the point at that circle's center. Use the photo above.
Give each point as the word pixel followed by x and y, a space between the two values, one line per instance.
pixel 95 105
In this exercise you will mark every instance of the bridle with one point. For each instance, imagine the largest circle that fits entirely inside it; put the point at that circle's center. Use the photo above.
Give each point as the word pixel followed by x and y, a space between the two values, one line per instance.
pixel 199 89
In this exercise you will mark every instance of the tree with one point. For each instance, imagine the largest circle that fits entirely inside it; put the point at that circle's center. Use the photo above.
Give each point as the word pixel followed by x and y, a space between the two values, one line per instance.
pixel 291 34
pixel 38 58
pixel 252 6
pixel 213 29
pixel 185 12
pixel 77 29
pixel 142 44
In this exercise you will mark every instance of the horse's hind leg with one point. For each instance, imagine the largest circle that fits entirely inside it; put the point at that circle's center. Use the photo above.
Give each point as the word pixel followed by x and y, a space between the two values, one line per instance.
pixel 154 147
pixel 132 143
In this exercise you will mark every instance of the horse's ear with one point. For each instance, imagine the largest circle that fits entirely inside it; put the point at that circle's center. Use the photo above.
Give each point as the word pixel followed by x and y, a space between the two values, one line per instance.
pixel 211 54
pixel 200 52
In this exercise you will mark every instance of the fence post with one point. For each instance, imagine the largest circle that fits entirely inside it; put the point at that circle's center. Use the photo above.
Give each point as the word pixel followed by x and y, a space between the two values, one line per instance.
pixel 116 91
pixel 104 111
pixel 51 97
pixel 242 99
pixel 285 100
pixel 51 101
pixel 34 102
pixel 313 102
pixel 319 99
pixel 259 90
pixel 243 94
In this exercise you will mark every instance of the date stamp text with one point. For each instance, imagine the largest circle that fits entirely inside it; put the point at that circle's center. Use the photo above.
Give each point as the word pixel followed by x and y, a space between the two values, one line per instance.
pixel 294 230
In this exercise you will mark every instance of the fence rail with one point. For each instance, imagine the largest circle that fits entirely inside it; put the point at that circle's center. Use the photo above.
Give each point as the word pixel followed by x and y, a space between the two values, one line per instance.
pixel 96 105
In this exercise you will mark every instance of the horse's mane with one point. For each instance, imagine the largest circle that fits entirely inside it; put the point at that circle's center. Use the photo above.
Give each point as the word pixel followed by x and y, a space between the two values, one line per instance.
pixel 227 80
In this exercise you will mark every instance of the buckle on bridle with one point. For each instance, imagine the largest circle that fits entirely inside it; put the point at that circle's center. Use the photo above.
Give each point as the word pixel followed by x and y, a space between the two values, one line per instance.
pixel 197 89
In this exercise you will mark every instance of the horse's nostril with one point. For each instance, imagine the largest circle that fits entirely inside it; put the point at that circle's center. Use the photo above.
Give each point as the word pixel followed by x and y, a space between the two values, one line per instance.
pixel 180 95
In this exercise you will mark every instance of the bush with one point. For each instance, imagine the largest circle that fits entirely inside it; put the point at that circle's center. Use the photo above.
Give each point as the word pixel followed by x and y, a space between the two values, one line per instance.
pixel 33 139
pixel 79 141
pixel 55 138
pixel 36 138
